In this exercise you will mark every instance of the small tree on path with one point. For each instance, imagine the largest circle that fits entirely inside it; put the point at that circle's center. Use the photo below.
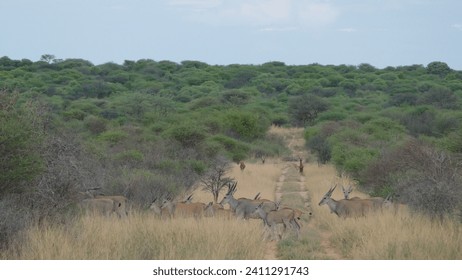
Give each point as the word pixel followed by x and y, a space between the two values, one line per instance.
pixel 215 179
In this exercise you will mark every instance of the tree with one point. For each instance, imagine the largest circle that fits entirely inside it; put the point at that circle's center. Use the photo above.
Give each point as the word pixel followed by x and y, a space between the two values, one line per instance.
pixel 48 58
pixel 438 68
pixel 215 178
pixel 303 110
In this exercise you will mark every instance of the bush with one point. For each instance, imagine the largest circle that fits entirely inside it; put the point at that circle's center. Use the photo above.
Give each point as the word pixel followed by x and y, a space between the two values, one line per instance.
pixel 236 150
pixel 113 136
pixel 76 114
pixel 95 125
pixel 129 158
pixel 246 126
pixel 235 97
pixel 21 136
pixel 383 129
pixel 303 110
pixel 440 97
pixel 423 177
pixel 188 134
pixel 321 148
pixel 352 159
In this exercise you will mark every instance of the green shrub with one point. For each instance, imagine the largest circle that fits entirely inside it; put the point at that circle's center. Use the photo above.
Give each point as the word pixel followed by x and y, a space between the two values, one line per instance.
pixel 95 125
pixel 352 159
pixel 130 156
pixel 383 129
pixel 245 125
pixel 74 114
pixel 113 136
pixel 188 134
pixel 235 149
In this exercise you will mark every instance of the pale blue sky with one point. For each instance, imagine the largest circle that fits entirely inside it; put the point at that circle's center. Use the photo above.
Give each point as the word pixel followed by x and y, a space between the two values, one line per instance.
pixel 379 32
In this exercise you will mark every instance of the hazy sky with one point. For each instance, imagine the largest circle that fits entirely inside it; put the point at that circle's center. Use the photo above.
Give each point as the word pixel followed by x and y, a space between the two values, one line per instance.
pixel 379 32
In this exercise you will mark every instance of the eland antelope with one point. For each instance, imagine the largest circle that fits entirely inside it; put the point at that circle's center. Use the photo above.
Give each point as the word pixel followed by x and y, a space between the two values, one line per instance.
pixel 217 210
pixel 376 202
pixel 285 216
pixel 242 165
pixel 347 191
pixel 101 206
pixel 300 166
pixel 193 209
pixel 244 208
pixel 120 201
pixel 346 208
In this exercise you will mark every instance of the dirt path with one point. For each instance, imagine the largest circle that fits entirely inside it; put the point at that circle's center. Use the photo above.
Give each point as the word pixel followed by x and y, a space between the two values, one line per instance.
pixel 289 176
pixel 271 251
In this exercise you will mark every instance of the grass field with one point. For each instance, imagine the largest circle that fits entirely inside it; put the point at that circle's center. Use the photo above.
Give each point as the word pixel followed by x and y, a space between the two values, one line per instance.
pixel 141 237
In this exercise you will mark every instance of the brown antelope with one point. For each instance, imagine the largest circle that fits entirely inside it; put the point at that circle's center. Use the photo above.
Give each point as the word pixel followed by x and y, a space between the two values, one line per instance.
pixel 263 159
pixel 102 206
pixel 377 202
pixel 244 208
pixel 346 208
pixel 161 213
pixel 242 165
pixel 300 167
pixel 347 191
pixel 217 210
pixel 389 204
pixel 155 208
pixel 193 209
pixel 285 216
pixel 297 212
pixel 121 201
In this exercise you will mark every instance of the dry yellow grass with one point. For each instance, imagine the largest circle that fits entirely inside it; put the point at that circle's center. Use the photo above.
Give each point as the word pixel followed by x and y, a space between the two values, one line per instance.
pixel 383 235
pixel 397 236
pixel 141 237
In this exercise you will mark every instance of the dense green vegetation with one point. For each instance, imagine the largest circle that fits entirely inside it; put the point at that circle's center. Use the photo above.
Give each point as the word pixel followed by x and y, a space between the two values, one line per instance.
pixel 149 127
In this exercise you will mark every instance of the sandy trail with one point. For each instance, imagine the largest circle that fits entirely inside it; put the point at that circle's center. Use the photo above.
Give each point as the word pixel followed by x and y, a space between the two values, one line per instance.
pixel 310 177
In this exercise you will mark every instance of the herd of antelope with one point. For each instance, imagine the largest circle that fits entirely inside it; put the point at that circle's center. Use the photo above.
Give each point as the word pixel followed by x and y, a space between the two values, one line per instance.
pixel 271 213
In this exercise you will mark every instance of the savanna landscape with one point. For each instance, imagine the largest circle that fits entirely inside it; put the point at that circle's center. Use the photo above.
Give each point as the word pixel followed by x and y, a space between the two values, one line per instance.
pixel 155 132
